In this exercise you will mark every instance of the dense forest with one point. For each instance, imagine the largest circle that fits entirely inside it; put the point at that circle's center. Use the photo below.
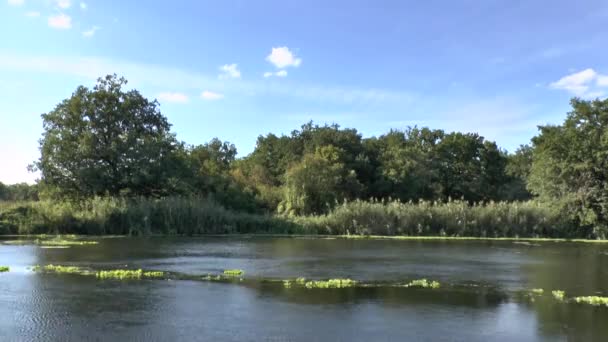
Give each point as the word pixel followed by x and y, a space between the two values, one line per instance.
pixel 111 148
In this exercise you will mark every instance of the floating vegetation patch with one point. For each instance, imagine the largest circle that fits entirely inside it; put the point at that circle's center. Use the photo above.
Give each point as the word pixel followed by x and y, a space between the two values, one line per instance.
pixel 592 300
pixel 128 274
pixel 59 269
pixel 330 284
pixel 234 273
pixel 301 281
pixel 559 295
pixel 55 242
pixel 4 269
pixel 58 242
pixel 423 283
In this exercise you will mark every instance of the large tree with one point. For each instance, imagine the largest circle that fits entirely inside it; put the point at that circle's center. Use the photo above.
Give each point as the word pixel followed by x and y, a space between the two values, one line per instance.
pixel 570 163
pixel 106 141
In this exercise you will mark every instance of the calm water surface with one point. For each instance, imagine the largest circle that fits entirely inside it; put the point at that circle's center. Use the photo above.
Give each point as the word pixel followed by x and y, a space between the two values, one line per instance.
pixel 479 300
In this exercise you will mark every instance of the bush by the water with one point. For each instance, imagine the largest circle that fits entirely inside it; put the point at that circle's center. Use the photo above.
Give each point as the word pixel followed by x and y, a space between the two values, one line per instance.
pixel 187 216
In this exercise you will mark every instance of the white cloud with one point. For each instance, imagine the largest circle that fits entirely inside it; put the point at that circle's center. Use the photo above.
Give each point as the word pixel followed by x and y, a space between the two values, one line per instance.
pixel 63 3
pixel 32 14
pixel 60 21
pixel 90 33
pixel 210 96
pixel 83 6
pixel 141 74
pixel 280 73
pixel 583 83
pixel 282 57
pixel 16 2
pixel 173 97
pixel 229 71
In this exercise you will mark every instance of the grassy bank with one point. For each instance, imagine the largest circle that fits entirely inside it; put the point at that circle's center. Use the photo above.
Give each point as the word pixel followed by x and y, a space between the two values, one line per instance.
pixel 194 216
pixel 143 216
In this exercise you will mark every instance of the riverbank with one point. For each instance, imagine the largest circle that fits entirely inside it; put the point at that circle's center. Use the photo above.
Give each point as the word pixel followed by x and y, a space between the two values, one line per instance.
pixel 199 216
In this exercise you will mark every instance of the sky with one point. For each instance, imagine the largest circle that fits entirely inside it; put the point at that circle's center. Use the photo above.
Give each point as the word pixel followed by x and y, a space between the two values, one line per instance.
pixel 237 69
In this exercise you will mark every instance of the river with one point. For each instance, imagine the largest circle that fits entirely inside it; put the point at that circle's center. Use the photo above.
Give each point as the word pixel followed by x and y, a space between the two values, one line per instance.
pixel 485 292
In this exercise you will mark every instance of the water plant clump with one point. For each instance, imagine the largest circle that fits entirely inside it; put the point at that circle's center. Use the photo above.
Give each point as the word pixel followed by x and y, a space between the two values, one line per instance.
pixel 234 273
pixel 60 269
pixel 298 281
pixel 4 269
pixel 128 274
pixel 592 300
pixel 330 284
pixel 559 294
pixel 423 283
pixel 61 242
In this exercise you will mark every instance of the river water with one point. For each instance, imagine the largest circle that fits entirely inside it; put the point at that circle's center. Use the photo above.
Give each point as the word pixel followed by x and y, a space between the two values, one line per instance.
pixel 484 293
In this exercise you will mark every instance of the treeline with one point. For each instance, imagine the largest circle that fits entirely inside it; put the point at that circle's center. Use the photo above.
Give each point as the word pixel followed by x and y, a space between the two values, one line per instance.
pixel 107 142
pixel 18 192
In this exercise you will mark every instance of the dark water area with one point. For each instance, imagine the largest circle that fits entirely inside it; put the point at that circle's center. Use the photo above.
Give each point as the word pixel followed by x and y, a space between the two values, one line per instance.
pixel 480 298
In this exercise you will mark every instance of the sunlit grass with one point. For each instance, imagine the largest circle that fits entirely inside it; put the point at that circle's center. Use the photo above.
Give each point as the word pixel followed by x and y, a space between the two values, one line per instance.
pixel 423 283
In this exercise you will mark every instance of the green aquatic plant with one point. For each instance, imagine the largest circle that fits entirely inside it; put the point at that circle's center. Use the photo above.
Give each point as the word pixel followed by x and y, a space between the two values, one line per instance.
pixel 593 300
pixel 61 269
pixel 4 269
pixel 128 274
pixel 234 273
pixel 558 294
pixel 298 281
pixel 330 284
pixel 423 283
pixel 537 291
pixel 57 242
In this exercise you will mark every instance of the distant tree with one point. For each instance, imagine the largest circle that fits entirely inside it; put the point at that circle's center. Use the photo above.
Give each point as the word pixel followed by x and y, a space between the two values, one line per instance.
pixel 106 141
pixel 317 182
pixel 517 172
pixel 469 167
pixel 570 164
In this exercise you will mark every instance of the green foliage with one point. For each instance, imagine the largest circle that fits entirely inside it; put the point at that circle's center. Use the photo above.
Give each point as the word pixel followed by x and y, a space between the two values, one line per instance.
pixel 317 182
pixel 570 165
pixel 136 216
pixel 592 300
pixel 559 295
pixel 4 269
pixel 537 291
pixel 18 192
pixel 59 269
pixel 128 274
pixel 454 218
pixel 234 273
pixel 330 284
pixel 423 283
pixel 106 141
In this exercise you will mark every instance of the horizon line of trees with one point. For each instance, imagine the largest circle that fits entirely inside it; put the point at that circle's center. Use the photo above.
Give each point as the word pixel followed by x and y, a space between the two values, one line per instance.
pixel 106 141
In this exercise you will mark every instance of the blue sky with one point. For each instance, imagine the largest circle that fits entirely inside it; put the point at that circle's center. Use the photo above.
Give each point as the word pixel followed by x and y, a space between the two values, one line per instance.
pixel 237 69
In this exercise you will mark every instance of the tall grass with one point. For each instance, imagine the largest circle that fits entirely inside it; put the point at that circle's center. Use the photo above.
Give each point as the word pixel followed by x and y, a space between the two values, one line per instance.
pixel 454 218
pixel 141 216
pixel 189 216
